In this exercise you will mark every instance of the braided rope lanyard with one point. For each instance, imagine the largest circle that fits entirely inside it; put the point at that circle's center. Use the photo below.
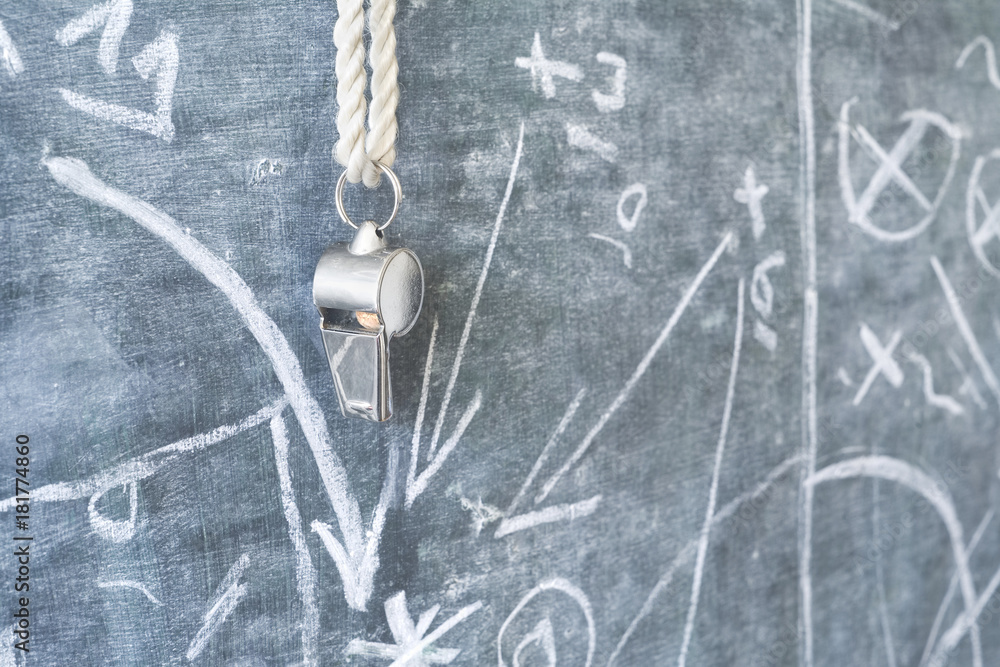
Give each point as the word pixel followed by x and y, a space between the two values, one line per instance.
pixel 366 153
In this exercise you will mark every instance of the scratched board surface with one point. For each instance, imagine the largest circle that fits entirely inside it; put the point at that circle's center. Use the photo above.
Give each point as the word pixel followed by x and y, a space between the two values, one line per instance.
pixel 706 371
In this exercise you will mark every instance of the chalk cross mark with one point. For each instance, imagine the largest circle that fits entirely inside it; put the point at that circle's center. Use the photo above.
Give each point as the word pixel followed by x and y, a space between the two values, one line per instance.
pixel 884 363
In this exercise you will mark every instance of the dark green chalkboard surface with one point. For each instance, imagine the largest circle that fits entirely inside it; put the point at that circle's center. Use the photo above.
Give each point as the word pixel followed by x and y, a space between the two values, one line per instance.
pixel 706 372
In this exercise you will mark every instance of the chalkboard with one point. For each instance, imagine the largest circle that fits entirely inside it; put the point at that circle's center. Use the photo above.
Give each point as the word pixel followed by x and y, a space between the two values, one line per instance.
pixel 706 371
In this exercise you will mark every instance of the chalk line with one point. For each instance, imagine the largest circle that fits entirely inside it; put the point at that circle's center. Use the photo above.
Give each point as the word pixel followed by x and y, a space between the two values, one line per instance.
pixel 464 340
pixel 807 188
pixel 124 583
pixel 542 69
pixel 953 588
pixel 640 370
pixel 222 608
pixel 141 467
pixel 305 572
pixel 900 472
pixel 691 548
pixel 567 588
pixel 115 16
pixel 966 622
pixel 419 647
pixel 963 327
pixel 581 137
pixel 942 401
pixel 564 422
pixel 11 59
pixel 420 484
pixel 566 512
pixel 699 563
pixel 989 55
pixel 867 12
pixel 76 176
pixel 626 253
pixel 884 364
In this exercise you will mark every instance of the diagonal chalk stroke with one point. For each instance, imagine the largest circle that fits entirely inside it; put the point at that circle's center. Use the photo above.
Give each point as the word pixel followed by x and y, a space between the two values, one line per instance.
pixel 8 53
pixel 691 548
pixel 567 417
pixel 953 588
pixel 568 512
pixel 75 175
pixel 305 571
pixel 966 622
pixel 226 601
pixel 420 483
pixel 955 305
pixel 626 253
pixel 457 365
pixel 420 646
pixel 640 370
pixel 713 492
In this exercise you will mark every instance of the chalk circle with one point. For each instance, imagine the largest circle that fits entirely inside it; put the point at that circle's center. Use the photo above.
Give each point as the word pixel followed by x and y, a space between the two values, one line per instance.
pixel 565 587
pixel 979 236
pixel 919 121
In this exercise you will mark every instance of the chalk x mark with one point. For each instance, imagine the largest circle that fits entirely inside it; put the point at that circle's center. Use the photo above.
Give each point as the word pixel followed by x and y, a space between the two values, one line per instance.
pixel 890 169
pixel 884 362
pixel 981 235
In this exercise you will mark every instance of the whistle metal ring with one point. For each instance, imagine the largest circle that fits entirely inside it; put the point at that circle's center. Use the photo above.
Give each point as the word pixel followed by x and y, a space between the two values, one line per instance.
pixel 397 191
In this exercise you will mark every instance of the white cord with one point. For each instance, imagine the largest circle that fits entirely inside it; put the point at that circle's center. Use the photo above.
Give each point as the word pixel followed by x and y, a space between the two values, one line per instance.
pixel 359 149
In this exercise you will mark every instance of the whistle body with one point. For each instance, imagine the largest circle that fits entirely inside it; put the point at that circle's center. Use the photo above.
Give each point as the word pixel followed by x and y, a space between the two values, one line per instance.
pixel 366 293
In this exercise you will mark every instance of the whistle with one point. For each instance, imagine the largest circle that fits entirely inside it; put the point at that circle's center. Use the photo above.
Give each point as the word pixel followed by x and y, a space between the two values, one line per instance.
pixel 366 293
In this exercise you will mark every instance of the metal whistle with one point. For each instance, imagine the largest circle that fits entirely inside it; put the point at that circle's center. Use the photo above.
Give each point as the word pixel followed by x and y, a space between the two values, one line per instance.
pixel 366 293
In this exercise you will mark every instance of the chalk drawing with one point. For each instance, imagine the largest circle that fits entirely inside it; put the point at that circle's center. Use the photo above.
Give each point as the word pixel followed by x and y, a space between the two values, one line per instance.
pixel 752 194
pixel 123 583
pixel 413 647
pixel 713 491
pixel 556 585
pixel 416 484
pixel 227 597
pixel 890 170
pixel 114 16
pixel 542 69
pixel 616 100
pixel 933 398
pixel 629 222
pixel 358 572
pixel 581 137
pixel 989 230
pixel 161 58
pixel 626 253
pixel 968 386
pixel 884 362
pixel 988 53
pixel 761 290
pixel 8 52
pixel 878 18
pixel 691 548
pixel 989 377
